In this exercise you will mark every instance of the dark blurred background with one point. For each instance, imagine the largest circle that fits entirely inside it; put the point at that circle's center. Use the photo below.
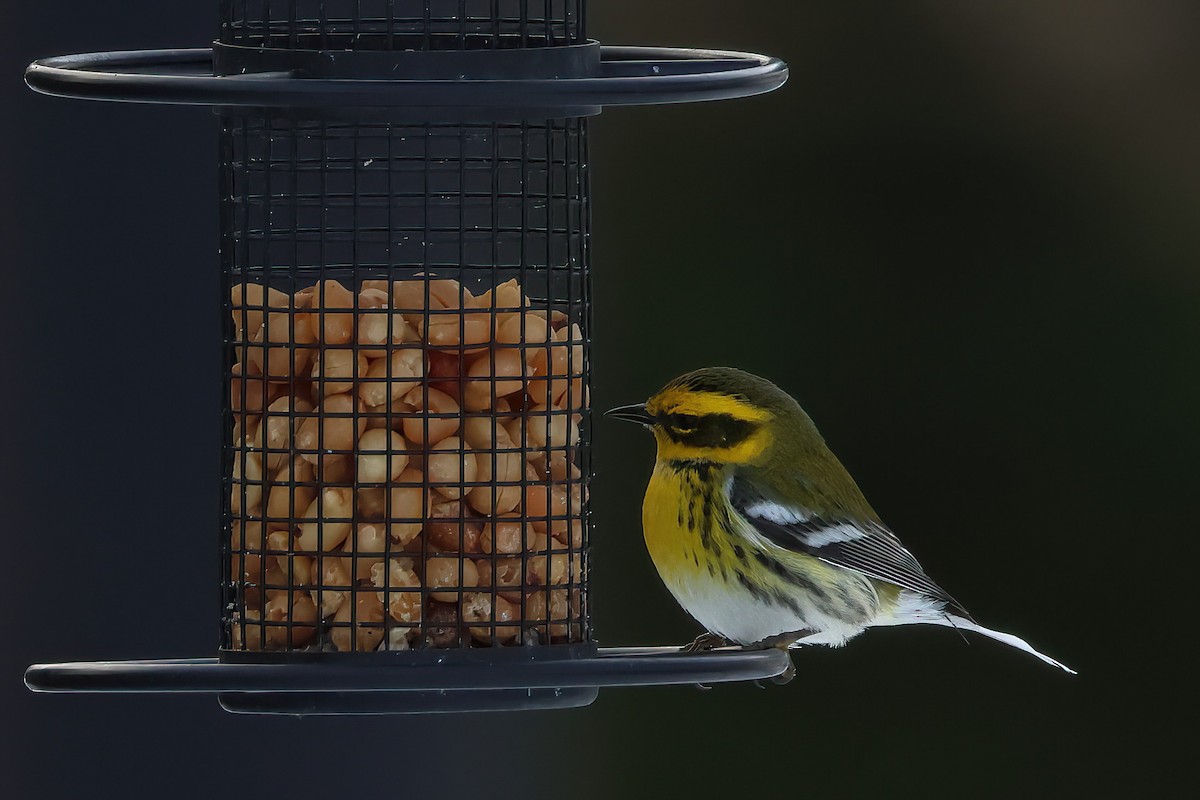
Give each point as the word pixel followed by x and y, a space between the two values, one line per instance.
pixel 963 235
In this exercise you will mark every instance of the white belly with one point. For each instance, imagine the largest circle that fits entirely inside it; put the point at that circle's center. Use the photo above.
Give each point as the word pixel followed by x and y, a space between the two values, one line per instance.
pixel 731 611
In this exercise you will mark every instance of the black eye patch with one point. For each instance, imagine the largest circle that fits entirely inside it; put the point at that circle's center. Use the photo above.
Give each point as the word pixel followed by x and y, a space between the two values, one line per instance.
pixel 682 422
pixel 710 430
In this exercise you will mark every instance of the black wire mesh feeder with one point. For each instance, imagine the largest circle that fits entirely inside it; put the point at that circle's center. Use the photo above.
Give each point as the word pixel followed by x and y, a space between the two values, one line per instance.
pixel 406 304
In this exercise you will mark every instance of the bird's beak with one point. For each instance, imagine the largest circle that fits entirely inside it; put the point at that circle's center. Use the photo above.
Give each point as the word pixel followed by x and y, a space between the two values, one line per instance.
pixel 634 413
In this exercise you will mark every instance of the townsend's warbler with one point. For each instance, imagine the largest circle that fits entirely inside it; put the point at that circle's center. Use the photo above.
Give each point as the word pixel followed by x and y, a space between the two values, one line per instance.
pixel 761 534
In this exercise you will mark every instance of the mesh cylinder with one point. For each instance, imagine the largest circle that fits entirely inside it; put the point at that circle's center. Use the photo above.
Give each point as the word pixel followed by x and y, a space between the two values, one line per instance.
pixel 407 367
pixel 401 24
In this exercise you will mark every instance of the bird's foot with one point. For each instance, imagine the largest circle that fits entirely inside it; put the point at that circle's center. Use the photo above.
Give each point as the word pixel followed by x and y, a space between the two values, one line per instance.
pixel 705 642
pixel 781 640
pixel 787 675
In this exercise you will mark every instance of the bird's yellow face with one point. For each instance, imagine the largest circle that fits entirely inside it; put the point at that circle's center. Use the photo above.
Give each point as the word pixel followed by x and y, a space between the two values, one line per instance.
pixel 695 425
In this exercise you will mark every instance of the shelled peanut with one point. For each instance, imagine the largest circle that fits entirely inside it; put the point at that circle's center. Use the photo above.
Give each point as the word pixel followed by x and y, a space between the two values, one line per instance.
pixel 404 467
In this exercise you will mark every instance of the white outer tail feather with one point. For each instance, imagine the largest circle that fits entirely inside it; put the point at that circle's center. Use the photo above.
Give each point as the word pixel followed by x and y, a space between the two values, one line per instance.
pixel 955 621
pixel 917 609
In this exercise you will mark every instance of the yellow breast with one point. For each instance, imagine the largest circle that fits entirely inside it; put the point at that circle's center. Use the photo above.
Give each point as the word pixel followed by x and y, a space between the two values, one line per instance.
pixel 686 521
pixel 674 547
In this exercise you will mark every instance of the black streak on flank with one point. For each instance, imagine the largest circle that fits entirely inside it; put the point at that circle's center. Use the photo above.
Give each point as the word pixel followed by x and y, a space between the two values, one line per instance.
pixel 794 579
pixel 781 599
pixel 752 587
pixel 852 603
pixel 765 594
pixel 726 522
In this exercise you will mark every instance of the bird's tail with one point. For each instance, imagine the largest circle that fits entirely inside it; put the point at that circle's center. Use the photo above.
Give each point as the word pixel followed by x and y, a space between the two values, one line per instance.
pixel 962 623
pixel 914 608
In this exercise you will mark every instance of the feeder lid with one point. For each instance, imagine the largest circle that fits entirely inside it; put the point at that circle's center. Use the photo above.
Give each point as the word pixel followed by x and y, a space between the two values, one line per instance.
pixel 570 81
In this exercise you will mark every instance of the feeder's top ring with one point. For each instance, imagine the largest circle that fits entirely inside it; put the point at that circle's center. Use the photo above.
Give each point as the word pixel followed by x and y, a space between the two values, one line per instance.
pixel 573 80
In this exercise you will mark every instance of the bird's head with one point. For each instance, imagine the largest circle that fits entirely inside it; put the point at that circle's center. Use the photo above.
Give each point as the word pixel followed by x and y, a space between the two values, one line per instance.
pixel 720 415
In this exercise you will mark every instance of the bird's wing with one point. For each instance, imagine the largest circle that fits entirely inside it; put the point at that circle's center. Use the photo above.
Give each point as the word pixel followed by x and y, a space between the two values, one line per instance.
pixel 861 545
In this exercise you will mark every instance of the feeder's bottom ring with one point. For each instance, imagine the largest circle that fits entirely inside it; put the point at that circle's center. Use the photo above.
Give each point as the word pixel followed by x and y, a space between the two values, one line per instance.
pixel 410 683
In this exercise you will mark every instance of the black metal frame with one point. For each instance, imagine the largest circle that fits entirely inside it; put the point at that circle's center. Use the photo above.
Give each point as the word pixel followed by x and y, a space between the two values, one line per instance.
pixel 386 148
pixel 314 205
pixel 402 24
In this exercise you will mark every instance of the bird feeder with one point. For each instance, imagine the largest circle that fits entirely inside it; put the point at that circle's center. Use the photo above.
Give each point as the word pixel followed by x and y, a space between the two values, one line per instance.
pixel 406 318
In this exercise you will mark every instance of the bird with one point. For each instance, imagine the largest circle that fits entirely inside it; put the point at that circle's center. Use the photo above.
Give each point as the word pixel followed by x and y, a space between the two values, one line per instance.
pixel 760 533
